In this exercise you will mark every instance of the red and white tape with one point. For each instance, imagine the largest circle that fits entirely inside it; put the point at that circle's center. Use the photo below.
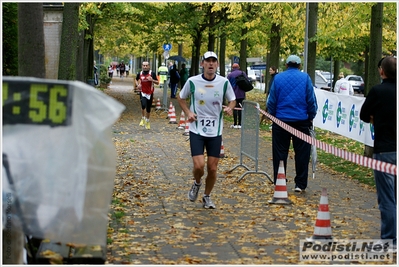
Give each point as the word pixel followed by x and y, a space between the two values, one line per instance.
pixel 358 159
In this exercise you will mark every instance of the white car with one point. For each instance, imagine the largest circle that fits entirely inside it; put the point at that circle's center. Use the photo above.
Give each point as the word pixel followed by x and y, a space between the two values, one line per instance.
pixel 251 75
pixel 356 82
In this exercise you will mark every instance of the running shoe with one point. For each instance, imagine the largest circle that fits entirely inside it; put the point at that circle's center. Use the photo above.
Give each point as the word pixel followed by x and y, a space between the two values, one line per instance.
pixel 142 122
pixel 297 189
pixel 193 193
pixel 147 125
pixel 207 203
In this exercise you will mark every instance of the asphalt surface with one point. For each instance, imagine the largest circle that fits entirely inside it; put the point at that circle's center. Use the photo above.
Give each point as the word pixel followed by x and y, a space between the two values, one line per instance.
pixel 153 222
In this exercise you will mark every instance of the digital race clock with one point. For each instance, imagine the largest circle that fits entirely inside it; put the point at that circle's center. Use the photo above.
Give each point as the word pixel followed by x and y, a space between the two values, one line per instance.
pixel 26 101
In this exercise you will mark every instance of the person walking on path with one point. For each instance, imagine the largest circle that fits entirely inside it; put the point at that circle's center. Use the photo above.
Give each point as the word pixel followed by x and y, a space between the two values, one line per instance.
pixel 293 101
pixel 379 108
pixel 174 80
pixel 183 75
pixel 240 94
pixel 163 74
pixel 122 69
pixel 205 115
pixel 127 68
pixel 343 86
pixel 110 71
pixel 145 80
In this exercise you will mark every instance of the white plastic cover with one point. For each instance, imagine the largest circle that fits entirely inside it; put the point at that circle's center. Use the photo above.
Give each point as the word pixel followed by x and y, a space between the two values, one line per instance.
pixel 64 176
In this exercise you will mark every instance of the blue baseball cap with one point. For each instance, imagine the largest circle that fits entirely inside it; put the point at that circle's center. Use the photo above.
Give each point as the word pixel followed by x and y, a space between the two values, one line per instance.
pixel 293 59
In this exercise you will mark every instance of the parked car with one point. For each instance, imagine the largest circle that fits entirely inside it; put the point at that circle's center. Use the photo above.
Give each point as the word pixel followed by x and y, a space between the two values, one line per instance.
pixel 251 75
pixel 328 75
pixel 320 81
pixel 259 74
pixel 356 82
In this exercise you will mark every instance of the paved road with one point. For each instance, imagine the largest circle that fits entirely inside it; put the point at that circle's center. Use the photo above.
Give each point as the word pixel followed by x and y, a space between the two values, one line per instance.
pixel 153 222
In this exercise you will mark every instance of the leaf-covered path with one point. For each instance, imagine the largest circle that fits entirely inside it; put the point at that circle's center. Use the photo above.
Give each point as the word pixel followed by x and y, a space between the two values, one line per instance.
pixel 151 220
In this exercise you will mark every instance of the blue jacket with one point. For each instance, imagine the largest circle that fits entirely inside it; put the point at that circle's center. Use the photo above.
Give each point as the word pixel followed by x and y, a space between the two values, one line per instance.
pixel 232 79
pixel 292 96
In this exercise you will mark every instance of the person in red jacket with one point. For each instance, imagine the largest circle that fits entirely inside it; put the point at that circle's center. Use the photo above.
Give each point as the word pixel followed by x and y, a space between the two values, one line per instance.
pixel 145 80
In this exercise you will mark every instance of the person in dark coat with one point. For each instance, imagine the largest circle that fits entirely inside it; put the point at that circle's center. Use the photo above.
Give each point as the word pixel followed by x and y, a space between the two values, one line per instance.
pixel 240 94
pixel 379 108
pixel 174 80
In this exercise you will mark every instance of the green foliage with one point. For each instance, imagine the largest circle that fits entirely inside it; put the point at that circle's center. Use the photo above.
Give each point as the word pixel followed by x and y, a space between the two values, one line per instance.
pixel 10 40
pixel 104 78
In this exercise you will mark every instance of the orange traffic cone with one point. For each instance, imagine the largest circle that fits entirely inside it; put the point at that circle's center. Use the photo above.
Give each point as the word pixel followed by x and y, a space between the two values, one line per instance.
pixel 172 118
pixel 186 130
pixel 158 106
pixel 170 110
pixel 221 155
pixel 322 228
pixel 280 189
pixel 182 122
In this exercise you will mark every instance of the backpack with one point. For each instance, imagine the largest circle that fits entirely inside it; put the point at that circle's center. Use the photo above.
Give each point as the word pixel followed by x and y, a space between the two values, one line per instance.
pixel 243 83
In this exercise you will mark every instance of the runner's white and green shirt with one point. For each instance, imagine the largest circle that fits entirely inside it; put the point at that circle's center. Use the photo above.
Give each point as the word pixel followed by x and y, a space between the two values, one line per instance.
pixel 206 101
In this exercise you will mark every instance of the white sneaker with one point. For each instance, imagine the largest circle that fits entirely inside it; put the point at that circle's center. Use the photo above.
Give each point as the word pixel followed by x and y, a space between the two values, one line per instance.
pixel 207 202
pixel 193 193
pixel 239 126
pixel 297 189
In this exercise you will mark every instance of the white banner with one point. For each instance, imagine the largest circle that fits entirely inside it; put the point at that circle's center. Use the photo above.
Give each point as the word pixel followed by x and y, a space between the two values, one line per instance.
pixel 340 114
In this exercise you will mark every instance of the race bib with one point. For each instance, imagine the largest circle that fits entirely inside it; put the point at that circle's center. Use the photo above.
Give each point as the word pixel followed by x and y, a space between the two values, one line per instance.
pixel 207 125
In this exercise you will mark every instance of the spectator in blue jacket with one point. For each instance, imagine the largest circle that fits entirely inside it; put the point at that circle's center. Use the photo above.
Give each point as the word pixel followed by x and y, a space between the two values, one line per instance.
pixel 292 100
pixel 240 94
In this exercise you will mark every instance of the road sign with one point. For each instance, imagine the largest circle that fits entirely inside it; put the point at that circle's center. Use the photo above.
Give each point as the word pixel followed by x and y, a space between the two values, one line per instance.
pixel 258 67
pixel 167 47
pixel 236 59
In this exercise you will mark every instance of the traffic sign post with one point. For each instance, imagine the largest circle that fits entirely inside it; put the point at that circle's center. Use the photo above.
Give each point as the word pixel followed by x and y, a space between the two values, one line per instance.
pixel 167 47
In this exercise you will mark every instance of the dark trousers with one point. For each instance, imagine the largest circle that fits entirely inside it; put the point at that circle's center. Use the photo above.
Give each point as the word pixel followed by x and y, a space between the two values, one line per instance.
pixel 281 140
pixel 237 113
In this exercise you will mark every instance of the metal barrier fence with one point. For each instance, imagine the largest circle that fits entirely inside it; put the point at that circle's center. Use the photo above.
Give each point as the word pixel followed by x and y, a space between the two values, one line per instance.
pixel 165 96
pixel 250 138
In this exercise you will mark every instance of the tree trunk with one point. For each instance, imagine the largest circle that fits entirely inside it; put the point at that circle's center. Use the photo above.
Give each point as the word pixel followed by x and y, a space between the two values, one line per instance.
pixel 211 33
pixel 273 58
pixel 88 60
pixel 374 55
pixel 79 57
pixel 375 46
pixel 312 45
pixel 243 50
pixel 197 39
pixel 69 42
pixel 31 56
pixel 222 57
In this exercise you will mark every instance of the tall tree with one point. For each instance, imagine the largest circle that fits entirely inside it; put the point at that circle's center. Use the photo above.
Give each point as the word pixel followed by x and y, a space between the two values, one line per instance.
pixel 375 52
pixel 312 44
pixel 375 55
pixel 69 42
pixel 10 45
pixel 31 57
